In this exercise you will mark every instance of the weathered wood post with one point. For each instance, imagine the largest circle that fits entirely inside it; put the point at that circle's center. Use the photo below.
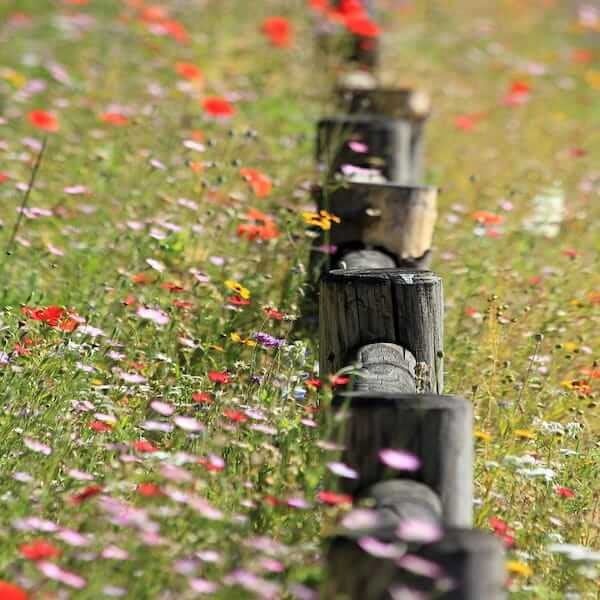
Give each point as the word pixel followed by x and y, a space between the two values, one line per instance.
pixel 436 430
pixel 464 564
pixel 409 108
pixel 396 306
pixel 373 147
pixel 397 220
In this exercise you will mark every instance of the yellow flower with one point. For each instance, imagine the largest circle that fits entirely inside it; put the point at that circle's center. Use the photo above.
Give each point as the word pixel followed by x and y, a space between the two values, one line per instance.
pixel 570 346
pixel 525 433
pixel 238 339
pixel 518 568
pixel 484 436
pixel 593 78
pixel 13 77
pixel 322 219
pixel 238 288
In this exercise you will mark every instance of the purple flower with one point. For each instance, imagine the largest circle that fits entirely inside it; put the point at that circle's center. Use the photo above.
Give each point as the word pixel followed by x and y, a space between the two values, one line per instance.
pixel 268 341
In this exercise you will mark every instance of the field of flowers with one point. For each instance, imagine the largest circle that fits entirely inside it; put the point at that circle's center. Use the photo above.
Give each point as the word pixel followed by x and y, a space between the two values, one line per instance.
pixel 161 430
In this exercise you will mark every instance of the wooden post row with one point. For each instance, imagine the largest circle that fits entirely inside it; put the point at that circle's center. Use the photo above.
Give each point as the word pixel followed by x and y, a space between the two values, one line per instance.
pixel 387 323
pixel 384 325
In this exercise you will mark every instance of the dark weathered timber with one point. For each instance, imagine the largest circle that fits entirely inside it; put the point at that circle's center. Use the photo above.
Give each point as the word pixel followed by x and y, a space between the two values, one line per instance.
pixel 396 501
pixel 436 429
pixel 397 306
pixel 384 368
pixel 396 103
pixel 355 573
pixel 398 220
pixel 473 561
pixel 470 566
pixel 389 142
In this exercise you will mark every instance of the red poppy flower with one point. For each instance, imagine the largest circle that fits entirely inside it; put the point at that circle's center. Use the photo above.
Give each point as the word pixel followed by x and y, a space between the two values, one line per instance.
pixel 219 377
pixel 237 301
pixel 202 397
pixel 274 314
pixel 189 71
pixel 43 120
pixel 100 426
pixel 172 286
pixel 235 415
pixel 581 56
pixel 518 93
pixel 259 182
pixel 149 490
pixel 565 492
pixel 272 500
pixel 333 498
pixel 8 591
pixel 182 304
pixel 252 232
pixel 319 5
pixel 38 550
pixel 487 218
pixel 339 380
pixel 313 383
pixel 279 31
pixel 85 494
pixel 142 278
pixel 362 26
pixel 53 316
pixel 467 122
pixel 144 447
pixel 3 177
pixel 176 30
pixel 216 106
pixel 114 118
pixel 154 13
pixel 502 530
pixel 572 253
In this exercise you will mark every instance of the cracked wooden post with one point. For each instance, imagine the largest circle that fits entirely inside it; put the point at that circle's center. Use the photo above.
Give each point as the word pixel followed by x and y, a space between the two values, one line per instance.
pixel 396 306
pixel 373 147
pixel 395 220
pixel 410 108
pixel 435 429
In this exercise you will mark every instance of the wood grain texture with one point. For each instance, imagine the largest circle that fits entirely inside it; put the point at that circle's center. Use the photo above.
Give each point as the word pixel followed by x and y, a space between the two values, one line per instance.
pixel 436 429
pixel 366 259
pixel 397 219
pixel 469 566
pixel 384 368
pixel 389 144
pixel 396 306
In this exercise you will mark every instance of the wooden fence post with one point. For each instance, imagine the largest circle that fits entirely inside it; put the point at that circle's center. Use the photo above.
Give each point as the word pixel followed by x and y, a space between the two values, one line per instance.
pixel 436 430
pixel 396 220
pixel 465 564
pixel 357 143
pixel 397 306
pixel 410 108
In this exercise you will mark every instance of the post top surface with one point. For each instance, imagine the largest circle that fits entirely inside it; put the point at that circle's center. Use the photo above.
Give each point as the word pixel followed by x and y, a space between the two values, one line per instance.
pixel 395 276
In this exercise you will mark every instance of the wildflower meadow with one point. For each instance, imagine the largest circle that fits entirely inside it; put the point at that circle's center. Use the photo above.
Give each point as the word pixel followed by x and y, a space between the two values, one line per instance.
pixel 164 428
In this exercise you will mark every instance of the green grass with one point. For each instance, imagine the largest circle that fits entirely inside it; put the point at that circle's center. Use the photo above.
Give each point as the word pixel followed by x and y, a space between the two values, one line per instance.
pixel 514 344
